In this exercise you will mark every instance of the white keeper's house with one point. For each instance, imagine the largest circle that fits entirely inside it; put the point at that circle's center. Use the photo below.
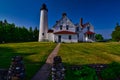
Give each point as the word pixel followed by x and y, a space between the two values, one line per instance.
pixel 64 29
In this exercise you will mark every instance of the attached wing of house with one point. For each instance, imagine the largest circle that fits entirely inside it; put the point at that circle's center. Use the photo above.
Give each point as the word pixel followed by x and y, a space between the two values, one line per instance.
pixel 87 32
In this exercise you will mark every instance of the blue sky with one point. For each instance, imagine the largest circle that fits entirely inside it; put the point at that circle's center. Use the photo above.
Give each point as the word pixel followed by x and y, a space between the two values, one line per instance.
pixel 102 14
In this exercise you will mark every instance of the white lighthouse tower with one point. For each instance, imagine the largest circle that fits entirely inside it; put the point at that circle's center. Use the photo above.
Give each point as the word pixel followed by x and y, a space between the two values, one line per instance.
pixel 43 29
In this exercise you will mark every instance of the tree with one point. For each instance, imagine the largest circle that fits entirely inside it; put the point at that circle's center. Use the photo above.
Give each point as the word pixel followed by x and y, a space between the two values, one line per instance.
pixel 1 31
pixel 11 33
pixel 35 34
pixel 30 34
pixel 99 37
pixel 116 33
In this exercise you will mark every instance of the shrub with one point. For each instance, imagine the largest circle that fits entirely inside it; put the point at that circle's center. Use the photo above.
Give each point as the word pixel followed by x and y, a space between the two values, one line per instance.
pixel 85 73
pixel 112 72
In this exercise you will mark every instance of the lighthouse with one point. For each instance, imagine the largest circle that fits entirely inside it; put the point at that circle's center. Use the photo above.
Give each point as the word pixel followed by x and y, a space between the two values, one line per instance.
pixel 43 27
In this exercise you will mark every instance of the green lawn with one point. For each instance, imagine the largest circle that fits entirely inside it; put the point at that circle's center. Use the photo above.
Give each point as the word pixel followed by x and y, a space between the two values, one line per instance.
pixel 34 54
pixel 90 53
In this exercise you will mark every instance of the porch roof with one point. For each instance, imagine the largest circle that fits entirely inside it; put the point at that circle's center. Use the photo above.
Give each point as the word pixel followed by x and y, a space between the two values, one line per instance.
pixel 65 32
pixel 89 32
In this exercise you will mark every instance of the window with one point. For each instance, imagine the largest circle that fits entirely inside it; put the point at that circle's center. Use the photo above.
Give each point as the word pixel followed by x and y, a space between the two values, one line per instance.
pixel 42 34
pixel 70 37
pixel 60 27
pixel 88 28
pixel 67 27
pixel 77 28
pixel 78 35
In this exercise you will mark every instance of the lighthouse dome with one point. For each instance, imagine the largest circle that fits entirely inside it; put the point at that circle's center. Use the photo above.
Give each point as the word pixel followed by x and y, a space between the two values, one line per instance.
pixel 44 7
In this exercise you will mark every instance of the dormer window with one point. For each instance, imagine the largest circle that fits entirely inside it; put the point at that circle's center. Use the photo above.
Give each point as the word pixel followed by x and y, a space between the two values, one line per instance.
pixel 88 28
pixel 67 27
pixel 60 27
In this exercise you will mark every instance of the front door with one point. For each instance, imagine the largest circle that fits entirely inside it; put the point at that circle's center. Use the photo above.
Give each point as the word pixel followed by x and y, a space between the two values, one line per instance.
pixel 59 38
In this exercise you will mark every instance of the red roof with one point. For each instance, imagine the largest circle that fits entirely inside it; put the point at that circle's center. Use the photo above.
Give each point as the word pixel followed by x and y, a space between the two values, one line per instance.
pixel 65 32
pixel 50 31
pixel 84 25
pixel 89 32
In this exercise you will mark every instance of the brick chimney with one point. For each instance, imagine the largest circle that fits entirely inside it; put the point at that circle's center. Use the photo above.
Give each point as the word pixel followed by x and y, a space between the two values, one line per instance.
pixel 81 21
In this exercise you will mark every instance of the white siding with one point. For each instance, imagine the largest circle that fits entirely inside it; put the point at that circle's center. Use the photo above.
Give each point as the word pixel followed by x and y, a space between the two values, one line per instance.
pixel 81 36
pixel 51 37
pixel 64 22
pixel 65 38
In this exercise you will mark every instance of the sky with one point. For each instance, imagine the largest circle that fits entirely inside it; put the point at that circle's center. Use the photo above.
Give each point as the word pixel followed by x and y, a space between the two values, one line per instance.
pixel 102 14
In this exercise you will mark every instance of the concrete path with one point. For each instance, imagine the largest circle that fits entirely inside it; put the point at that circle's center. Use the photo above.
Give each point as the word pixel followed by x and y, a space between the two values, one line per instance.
pixel 44 72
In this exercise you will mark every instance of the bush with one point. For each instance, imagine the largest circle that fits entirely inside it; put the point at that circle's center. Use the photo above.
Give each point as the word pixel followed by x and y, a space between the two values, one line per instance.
pixel 112 72
pixel 85 73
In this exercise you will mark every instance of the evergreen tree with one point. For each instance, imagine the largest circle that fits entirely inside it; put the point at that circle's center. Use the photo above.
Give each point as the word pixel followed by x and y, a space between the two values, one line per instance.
pixel 30 34
pixel 35 34
pixel 11 33
pixel 1 31
pixel 116 33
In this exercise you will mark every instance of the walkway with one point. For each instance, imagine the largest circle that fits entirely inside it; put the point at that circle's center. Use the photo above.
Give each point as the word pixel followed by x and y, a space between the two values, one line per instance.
pixel 44 72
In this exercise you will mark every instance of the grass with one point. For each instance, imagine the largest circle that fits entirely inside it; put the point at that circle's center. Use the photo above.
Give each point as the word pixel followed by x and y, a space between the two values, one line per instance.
pixel 34 54
pixel 88 53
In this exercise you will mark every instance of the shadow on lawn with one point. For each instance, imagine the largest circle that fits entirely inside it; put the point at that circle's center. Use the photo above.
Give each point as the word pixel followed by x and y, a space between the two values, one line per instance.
pixel 31 67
